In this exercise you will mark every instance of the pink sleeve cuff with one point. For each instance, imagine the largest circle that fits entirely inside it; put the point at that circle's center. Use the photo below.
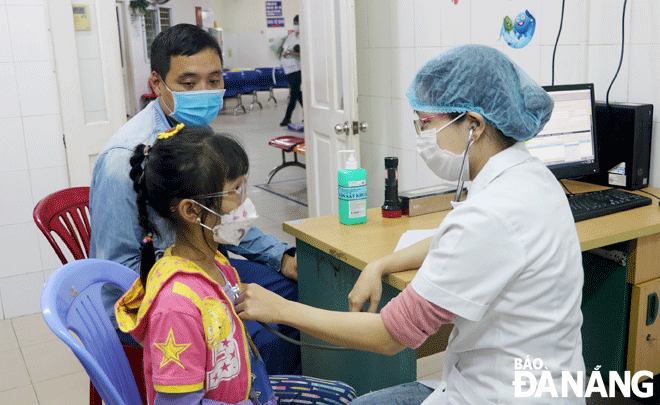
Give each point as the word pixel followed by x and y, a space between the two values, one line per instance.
pixel 411 319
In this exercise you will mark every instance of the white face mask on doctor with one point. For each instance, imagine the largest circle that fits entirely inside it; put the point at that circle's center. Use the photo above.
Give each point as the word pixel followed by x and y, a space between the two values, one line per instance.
pixel 443 163
pixel 233 226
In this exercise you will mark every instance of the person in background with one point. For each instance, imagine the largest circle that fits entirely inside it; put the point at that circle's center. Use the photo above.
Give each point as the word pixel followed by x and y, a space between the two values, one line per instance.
pixel 505 265
pixel 186 64
pixel 196 350
pixel 291 65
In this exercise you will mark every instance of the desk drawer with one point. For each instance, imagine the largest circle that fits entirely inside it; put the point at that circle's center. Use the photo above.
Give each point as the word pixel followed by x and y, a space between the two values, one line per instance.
pixel 644 340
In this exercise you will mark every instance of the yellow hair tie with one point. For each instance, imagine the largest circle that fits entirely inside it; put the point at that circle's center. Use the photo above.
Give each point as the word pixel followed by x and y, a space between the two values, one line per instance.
pixel 170 132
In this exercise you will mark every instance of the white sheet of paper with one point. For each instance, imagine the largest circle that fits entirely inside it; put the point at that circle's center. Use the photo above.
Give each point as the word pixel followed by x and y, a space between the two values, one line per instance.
pixel 409 238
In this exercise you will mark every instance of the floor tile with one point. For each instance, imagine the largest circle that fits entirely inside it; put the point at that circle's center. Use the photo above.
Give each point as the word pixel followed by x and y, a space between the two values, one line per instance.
pixel 67 390
pixel 22 395
pixel 254 130
pixel 263 222
pixel 32 329
pixel 13 373
pixel 51 359
pixel 7 336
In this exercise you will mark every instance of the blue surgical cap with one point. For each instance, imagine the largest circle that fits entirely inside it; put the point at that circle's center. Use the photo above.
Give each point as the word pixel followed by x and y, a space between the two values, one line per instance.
pixel 484 80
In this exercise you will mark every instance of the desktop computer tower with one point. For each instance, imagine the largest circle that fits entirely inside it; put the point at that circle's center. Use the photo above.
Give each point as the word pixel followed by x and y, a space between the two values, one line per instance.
pixel 624 145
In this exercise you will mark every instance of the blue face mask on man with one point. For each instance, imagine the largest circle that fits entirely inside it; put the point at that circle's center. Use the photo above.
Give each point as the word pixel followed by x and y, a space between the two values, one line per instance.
pixel 195 107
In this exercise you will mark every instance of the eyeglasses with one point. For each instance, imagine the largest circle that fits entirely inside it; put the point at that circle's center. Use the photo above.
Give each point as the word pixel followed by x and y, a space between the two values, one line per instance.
pixel 240 191
pixel 418 122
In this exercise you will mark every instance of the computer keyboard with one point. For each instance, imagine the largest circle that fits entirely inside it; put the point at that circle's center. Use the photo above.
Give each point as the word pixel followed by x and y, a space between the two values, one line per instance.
pixel 598 203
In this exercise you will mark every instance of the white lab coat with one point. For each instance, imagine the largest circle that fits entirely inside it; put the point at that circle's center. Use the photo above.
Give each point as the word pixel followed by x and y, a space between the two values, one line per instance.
pixel 507 262
pixel 290 63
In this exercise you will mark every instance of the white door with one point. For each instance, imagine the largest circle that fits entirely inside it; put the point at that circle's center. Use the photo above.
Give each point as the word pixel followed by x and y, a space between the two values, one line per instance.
pixel 89 73
pixel 124 52
pixel 329 75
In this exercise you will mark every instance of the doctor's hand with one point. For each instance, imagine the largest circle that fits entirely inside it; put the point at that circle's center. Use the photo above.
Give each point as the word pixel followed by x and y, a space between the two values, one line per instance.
pixel 368 287
pixel 256 303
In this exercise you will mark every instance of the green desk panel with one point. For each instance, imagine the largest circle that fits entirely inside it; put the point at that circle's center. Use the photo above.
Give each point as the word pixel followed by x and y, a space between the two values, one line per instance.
pixel 324 282
pixel 605 308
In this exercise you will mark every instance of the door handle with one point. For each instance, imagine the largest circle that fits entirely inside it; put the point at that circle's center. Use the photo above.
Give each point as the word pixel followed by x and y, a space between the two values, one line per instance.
pixel 364 126
pixel 339 128
pixel 652 308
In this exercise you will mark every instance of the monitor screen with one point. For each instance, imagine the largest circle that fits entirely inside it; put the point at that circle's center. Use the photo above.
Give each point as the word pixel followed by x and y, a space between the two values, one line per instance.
pixel 567 144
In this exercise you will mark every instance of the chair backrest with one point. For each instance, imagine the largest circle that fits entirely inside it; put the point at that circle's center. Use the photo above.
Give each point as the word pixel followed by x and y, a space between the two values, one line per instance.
pixel 71 301
pixel 265 79
pixel 279 78
pixel 249 81
pixel 233 85
pixel 65 213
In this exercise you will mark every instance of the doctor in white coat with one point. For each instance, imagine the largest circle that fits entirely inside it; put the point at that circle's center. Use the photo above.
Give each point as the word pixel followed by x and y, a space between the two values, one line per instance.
pixel 504 267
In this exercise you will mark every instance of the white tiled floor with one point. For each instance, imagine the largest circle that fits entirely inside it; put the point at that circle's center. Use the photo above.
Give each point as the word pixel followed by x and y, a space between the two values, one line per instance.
pixel 37 369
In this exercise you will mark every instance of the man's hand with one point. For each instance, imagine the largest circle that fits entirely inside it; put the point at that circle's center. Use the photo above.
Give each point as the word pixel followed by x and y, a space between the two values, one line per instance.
pixel 289 267
pixel 368 287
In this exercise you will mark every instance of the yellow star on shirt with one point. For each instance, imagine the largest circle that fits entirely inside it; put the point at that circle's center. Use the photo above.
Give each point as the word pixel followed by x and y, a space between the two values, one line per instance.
pixel 171 350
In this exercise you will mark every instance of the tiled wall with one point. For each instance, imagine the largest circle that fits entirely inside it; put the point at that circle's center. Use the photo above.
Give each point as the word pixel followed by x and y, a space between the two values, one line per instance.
pixel 396 37
pixel 32 157
pixel 32 154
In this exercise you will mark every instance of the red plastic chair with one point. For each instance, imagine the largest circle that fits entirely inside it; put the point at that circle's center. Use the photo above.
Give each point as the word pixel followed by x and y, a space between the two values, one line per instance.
pixel 287 143
pixel 66 214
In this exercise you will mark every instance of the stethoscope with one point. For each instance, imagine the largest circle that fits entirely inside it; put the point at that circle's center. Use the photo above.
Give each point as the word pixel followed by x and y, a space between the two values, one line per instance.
pixel 459 188
pixel 235 290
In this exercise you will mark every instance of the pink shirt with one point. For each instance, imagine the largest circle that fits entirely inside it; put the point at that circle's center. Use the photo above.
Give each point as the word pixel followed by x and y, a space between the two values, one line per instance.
pixel 411 319
pixel 191 335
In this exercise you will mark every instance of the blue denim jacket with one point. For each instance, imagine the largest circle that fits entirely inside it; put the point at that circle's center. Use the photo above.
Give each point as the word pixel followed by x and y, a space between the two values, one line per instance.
pixel 116 234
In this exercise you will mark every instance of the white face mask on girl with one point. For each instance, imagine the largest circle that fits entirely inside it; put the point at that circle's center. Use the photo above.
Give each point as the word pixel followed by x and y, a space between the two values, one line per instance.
pixel 443 163
pixel 233 226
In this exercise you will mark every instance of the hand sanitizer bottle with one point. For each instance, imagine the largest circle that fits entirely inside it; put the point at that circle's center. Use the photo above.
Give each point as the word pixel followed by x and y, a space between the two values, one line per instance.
pixel 352 191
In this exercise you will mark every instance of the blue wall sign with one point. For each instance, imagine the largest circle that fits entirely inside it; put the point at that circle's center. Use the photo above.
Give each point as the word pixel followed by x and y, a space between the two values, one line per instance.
pixel 275 22
pixel 273 9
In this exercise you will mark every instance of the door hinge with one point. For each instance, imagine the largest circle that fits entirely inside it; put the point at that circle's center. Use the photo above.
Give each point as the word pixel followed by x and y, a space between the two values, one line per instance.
pixel 64 140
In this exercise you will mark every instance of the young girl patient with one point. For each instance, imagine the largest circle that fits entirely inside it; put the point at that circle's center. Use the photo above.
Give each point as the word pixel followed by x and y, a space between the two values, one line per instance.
pixel 196 349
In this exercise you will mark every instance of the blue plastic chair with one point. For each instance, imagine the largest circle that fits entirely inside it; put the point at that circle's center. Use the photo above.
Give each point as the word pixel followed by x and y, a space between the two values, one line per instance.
pixel 250 86
pixel 280 81
pixel 71 301
pixel 234 88
pixel 265 82
pixel 279 78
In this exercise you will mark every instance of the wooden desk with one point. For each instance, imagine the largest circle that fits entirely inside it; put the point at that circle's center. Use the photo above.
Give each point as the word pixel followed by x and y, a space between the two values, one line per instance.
pixel 330 256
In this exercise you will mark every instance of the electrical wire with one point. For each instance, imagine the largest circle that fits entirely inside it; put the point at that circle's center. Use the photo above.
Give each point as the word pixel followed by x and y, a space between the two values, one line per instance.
pixel 652 195
pixel 554 51
pixel 565 188
pixel 623 21
pixel 302 344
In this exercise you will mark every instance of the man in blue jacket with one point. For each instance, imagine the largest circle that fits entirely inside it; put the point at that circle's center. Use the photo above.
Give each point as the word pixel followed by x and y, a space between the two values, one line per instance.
pixel 186 64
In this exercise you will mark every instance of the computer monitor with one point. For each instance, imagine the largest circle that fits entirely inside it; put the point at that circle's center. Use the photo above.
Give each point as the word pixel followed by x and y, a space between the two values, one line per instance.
pixel 568 144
